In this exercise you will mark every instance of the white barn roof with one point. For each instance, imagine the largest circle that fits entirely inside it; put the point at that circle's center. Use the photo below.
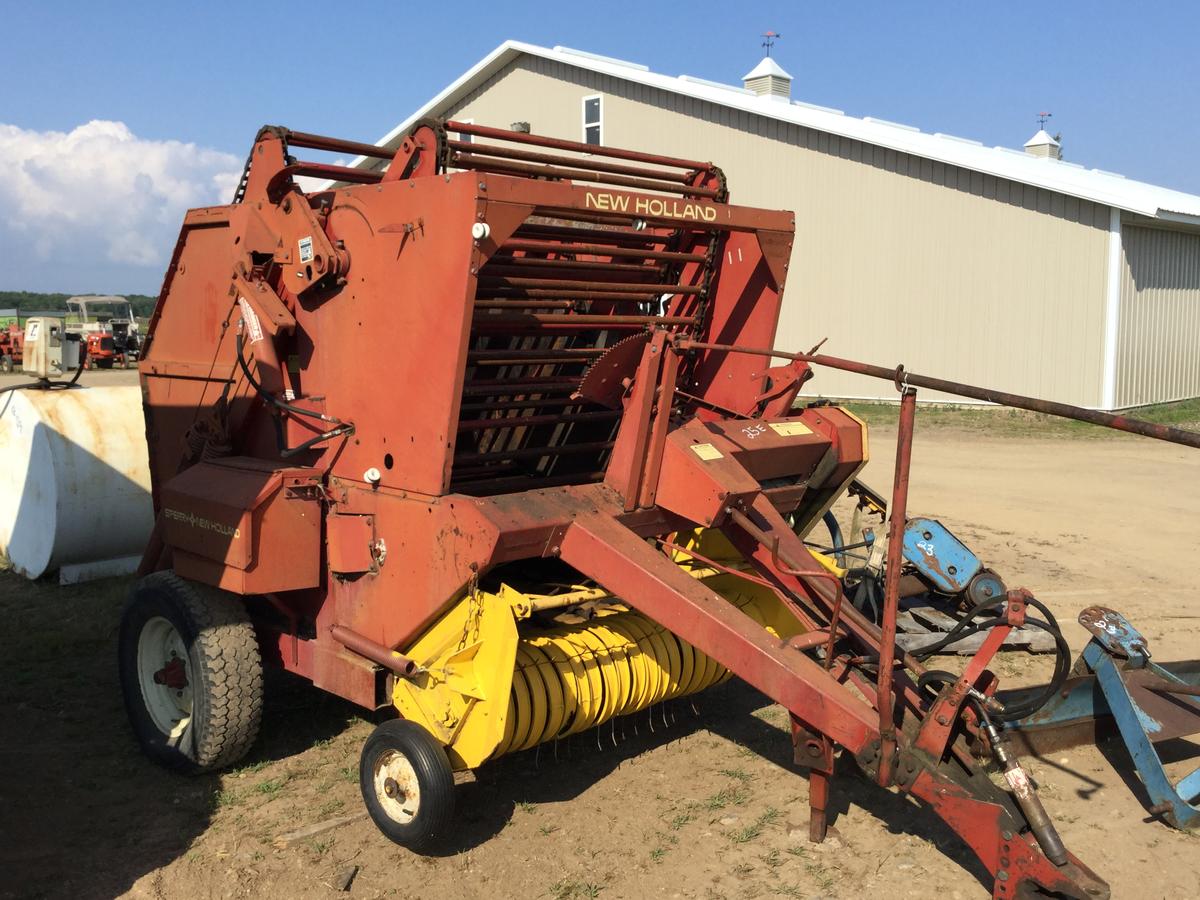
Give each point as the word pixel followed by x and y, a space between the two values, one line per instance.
pixel 1068 178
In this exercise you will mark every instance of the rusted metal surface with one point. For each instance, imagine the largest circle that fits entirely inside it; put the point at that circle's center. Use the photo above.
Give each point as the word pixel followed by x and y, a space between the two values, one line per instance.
pixel 377 653
pixel 1002 398
pixel 465 329
pixel 897 509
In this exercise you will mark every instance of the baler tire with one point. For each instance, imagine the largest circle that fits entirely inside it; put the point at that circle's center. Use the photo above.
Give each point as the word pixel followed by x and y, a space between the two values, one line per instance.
pixel 400 746
pixel 223 668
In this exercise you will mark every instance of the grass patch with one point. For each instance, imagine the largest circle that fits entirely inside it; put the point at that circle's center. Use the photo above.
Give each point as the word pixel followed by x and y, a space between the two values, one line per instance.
pixel 251 769
pixel 525 806
pixel 737 774
pixel 271 786
pixel 571 889
pixel 1003 421
pixel 727 796
pixel 752 832
pixel 680 819
pixel 658 854
pixel 329 807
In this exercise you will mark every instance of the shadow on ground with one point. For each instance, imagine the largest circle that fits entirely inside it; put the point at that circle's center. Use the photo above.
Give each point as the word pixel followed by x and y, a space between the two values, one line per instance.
pixel 82 812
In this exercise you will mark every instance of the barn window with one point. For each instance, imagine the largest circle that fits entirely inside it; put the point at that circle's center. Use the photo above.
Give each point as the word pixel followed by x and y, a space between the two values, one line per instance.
pixel 465 138
pixel 591 120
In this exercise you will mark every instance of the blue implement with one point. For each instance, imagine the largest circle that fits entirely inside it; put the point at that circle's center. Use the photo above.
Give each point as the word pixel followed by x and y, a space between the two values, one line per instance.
pixel 1149 703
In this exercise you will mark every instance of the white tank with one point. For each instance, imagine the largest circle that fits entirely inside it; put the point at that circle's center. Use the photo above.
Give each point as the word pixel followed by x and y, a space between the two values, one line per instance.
pixel 74 481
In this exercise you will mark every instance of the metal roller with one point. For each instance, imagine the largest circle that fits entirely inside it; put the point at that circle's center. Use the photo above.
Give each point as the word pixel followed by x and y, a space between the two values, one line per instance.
pixel 569 678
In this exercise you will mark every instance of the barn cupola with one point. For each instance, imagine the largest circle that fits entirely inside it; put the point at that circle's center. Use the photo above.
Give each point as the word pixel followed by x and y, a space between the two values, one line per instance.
pixel 1041 144
pixel 768 79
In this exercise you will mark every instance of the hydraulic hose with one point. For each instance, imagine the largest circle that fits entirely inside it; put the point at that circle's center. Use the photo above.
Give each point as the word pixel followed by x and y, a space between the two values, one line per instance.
pixel 284 450
pixel 965 628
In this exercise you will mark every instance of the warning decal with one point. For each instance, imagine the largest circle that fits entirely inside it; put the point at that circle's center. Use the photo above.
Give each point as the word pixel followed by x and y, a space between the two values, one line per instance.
pixel 790 429
pixel 706 451
pixel 306 250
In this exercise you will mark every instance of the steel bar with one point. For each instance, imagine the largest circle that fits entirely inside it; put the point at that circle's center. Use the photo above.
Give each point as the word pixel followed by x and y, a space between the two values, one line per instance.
pixel 600 250
pixel 337 145
pixel 513 303
pixel 544 419
pixel 595 235
pixel 502 167
pixel 580 321
pixel 533 266
pixel 501 356
pixel 593 149
pixel 534 452
pixel 537 293
pixel 548 402
pixel 322 170
pixel 583 163
pixel 886 700
pixel 599 286
pixel 1001 398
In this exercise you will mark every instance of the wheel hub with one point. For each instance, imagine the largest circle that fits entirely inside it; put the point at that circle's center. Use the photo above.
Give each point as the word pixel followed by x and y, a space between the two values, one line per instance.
pixel 164 676
pixel 396 786
pixel 172 675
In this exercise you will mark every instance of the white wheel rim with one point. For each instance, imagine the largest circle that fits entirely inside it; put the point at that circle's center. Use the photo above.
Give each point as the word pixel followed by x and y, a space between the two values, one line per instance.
pixel 396 786
pixel 165 677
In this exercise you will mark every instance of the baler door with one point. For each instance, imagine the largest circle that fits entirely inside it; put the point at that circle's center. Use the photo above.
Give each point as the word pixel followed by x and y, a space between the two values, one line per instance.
pixel 246 525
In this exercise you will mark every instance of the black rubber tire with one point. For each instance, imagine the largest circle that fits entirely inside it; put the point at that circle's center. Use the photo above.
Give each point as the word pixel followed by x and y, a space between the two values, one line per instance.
pixel 6 364
pixel 435 780
pixel 226 667
pixel 104 363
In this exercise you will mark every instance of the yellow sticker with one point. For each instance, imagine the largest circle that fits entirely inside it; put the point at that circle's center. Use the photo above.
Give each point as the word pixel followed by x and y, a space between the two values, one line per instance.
pixel 790 429
pixel 706 451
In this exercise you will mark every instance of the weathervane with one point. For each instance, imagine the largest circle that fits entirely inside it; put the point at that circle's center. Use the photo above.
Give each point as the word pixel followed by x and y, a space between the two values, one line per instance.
pixel 769 39
pixel 1042 117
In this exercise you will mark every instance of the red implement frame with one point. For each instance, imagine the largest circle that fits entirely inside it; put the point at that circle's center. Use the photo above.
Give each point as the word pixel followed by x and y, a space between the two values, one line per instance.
pixel 414 342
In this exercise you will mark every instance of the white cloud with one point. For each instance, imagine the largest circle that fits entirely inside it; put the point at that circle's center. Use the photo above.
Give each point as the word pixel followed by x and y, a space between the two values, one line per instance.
pixel 101 196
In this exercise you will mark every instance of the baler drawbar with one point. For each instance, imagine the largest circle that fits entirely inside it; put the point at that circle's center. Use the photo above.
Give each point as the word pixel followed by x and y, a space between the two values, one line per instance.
pixel 486 431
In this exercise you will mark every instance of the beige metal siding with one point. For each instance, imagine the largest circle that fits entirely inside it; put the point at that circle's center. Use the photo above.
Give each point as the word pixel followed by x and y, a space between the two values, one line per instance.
pixel 898 258
pixel 1158 339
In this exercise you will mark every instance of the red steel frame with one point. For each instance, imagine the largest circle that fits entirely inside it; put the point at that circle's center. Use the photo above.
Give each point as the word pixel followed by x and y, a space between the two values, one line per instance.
pixel 413 331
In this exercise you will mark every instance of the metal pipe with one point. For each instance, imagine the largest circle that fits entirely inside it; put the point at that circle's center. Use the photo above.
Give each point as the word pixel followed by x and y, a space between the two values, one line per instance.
pixel 560 354
pixel 559 144
pixel 599 286
pixel 1002 398
pixel 322 170
pixel 501 167
pixel 548 419
pixel 377 653
pixel 579 321
pixel 513 303
pixel 601 250
pixel 584 162
pixel 337 145
pixel 534 452
pixel 594 235
pixel 886 700
pixel 534 265
pixel 536 293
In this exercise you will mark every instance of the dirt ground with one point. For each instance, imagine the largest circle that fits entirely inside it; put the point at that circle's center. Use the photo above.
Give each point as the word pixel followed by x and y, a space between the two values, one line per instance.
pixel 697 800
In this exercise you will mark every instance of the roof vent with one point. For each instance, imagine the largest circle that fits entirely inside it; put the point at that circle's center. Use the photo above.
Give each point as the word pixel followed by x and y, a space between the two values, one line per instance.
pixel 768 79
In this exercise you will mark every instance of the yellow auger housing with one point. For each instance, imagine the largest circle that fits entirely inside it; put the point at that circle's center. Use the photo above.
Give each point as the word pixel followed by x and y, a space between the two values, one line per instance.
pixel 509 669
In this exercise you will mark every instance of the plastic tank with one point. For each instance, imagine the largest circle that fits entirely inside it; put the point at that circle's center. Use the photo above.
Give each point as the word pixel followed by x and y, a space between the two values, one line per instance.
pixel 74 481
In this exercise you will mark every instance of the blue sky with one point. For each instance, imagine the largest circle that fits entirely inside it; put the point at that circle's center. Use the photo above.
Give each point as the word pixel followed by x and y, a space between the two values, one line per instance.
pixel 1120 78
